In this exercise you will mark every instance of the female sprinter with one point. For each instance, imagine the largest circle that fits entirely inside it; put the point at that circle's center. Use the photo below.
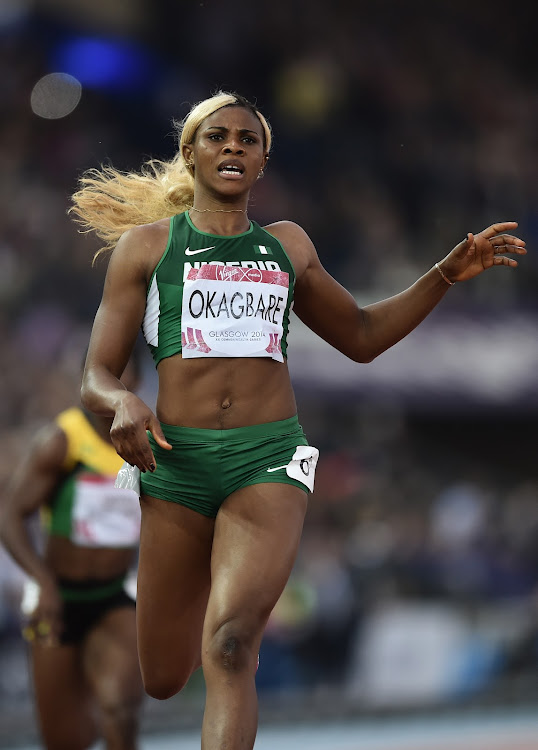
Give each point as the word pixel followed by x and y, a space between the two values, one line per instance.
pixel 81 628
pixel 226 468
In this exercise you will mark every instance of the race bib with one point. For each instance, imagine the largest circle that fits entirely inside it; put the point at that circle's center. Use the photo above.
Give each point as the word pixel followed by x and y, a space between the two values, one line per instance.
pixel 230 311
pixel 104 516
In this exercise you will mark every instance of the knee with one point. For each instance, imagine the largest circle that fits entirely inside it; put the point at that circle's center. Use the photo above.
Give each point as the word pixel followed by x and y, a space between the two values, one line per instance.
pixel 163 685
pixel 161 690
pixel 233 647
pixel 123 711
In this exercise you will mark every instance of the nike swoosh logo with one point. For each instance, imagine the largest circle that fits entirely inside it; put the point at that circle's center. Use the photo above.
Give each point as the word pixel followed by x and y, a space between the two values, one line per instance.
pixel 188 251
pixel 277 468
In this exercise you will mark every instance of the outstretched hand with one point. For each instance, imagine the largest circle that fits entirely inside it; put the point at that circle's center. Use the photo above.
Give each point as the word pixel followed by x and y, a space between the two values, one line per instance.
pixel 478 252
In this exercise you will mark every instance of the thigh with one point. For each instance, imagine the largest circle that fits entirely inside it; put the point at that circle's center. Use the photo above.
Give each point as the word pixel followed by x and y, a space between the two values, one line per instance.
pixel 173 587
pixel 63 698
pixel 110 659
pixel 257 534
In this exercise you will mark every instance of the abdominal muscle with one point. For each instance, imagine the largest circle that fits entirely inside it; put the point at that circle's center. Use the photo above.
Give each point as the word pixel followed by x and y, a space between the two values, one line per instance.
pixel 223 393
pixel 70 561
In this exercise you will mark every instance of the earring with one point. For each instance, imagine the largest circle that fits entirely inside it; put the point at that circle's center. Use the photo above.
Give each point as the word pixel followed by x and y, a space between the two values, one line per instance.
pixel 260 174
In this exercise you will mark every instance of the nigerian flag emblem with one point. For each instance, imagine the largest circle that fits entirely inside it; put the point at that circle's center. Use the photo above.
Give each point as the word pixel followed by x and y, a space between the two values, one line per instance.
pixel 263 250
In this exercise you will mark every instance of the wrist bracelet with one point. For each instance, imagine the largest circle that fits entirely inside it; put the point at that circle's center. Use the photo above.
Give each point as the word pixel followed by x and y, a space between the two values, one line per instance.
pixel 443 275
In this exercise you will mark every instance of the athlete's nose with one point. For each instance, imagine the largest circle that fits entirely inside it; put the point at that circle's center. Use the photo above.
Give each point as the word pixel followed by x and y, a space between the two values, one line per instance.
pixel 233 147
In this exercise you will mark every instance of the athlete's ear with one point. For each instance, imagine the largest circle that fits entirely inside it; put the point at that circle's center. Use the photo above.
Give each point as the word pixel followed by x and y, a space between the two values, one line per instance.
pixel 187 154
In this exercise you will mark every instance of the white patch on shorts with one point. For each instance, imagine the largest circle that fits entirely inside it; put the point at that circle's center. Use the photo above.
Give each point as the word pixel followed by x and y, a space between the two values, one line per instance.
pixel 302 466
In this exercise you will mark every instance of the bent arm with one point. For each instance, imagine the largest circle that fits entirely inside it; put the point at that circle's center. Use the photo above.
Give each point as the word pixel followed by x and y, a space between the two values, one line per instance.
pixel 31 488
pixel 115 329
pixel 112 340
pixel 361 333
pixel 364 333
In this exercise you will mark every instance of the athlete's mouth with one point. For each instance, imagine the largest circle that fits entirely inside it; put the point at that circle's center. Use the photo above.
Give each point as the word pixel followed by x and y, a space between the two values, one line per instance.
pixel 231 168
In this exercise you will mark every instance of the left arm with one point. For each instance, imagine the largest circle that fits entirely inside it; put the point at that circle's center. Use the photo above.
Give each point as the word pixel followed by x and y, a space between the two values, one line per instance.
pixel 364 333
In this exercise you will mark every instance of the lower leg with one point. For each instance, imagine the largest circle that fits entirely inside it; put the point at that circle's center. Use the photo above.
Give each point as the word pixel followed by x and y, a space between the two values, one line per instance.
pixel 63 701
pixel 112 672
pixel 231 711
pixel 253 554
pixel 120 727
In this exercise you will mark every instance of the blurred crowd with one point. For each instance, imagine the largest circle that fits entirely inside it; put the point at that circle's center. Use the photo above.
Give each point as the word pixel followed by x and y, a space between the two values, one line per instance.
pixel 398 128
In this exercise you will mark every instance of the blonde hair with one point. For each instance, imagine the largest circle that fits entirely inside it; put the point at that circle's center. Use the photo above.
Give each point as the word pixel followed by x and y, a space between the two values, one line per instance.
pixel 109 202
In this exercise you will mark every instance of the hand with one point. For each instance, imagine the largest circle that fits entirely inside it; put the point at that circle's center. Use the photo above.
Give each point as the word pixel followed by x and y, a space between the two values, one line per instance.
pixel 481 251
pixel 45 624
pixel 129 433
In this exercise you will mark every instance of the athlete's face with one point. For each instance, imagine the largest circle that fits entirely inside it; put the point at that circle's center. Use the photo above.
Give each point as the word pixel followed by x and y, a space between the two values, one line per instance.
pixel 228 151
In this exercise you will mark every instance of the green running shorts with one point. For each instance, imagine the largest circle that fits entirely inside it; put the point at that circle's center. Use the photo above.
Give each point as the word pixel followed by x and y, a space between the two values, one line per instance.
pixel 205 467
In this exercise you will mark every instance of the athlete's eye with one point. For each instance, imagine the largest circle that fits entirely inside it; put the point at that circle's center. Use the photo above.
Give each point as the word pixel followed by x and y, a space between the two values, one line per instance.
pixel 215 136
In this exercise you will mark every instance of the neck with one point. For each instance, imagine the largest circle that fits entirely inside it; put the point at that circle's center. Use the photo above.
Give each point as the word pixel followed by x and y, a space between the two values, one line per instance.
pixel 220 222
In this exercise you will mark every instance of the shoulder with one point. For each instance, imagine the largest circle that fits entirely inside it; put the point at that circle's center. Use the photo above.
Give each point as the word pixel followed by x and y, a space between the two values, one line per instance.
pixel 140 248
pixel 49 447
pixel 146 238
pixel 295 242
pixel 147 235
pixel 287 231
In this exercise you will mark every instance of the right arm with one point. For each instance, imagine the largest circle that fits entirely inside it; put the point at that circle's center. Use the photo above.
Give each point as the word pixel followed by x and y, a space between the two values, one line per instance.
pixel 31 487
pixel 113 337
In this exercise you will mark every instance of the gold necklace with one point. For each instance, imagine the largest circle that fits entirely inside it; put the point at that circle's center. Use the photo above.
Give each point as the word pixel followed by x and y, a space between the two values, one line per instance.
pixel 219 210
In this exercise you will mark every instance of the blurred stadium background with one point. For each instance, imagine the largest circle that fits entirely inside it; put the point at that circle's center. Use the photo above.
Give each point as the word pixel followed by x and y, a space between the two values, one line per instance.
pixel 398 128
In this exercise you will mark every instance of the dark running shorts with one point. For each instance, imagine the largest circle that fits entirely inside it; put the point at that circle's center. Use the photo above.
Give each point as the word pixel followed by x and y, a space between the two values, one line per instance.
pixel 205 467
pixel 85 603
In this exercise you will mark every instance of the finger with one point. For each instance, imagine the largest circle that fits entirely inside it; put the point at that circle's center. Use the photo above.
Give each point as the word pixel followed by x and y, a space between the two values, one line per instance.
pixel 42 632
pixel 157 432
pixel 43 628
pixel 497 249
pixel 126 451
pixel 49 629
pixel 134 455
pixel 500 260
pixel 465 245
pixel 494 229
pixel 507 239
pixel 145 455
pixel 135 449
pixel 28 633
pixel 516 249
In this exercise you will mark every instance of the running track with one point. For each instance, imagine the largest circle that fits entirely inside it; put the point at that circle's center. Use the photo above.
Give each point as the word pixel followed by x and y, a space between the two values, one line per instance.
pixel 494 731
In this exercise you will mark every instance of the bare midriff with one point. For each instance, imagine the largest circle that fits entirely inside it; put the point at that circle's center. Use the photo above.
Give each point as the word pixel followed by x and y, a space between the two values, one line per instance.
pixel 70 561
pixel 220 394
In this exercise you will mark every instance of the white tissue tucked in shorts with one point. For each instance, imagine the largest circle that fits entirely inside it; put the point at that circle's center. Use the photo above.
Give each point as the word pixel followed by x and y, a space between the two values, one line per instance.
pixel 30 597
pixel 128 478
pixel 302 466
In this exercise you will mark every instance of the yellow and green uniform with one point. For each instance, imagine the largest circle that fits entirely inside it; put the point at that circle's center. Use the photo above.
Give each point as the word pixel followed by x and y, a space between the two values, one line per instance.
pixel 86 507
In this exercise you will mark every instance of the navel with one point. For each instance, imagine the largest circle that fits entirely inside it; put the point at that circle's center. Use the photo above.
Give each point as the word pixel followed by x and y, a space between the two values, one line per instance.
pixel 226 403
